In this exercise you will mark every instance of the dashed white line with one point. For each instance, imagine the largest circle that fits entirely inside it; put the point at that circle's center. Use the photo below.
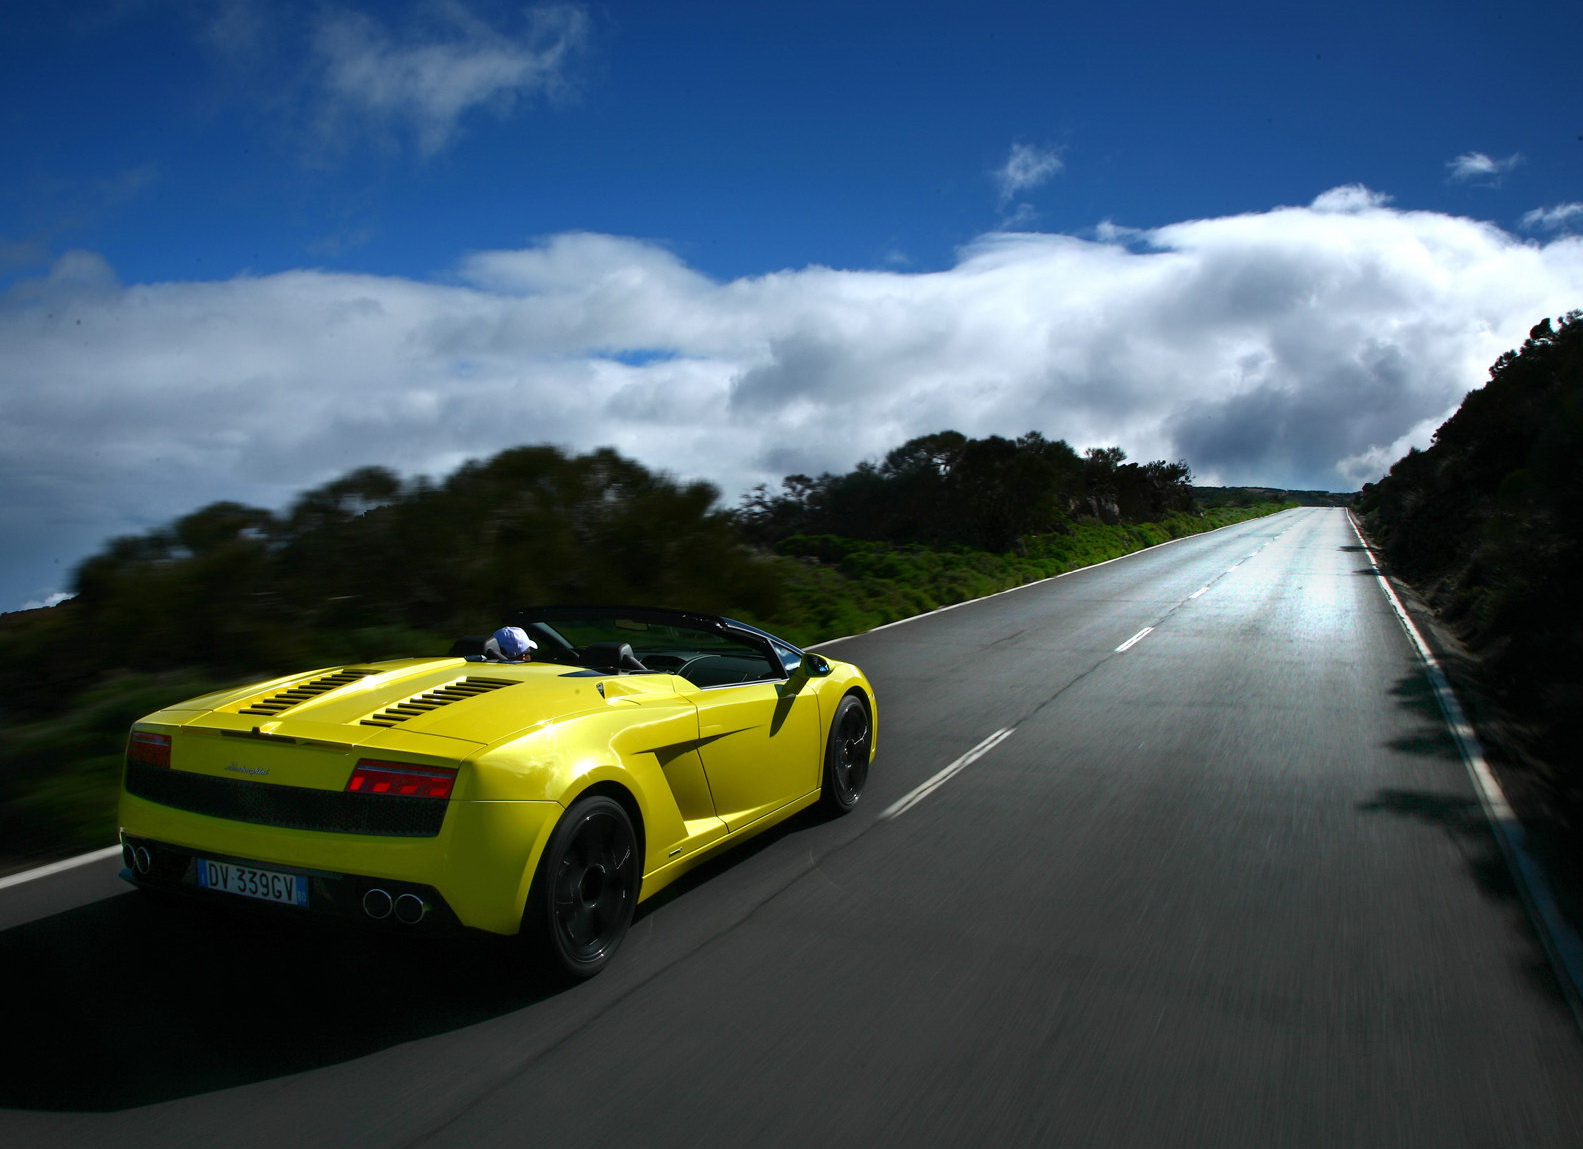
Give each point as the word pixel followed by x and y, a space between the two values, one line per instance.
pixel 1134 640
pixel 921 792
pixel 1196 593
pixel 1026 585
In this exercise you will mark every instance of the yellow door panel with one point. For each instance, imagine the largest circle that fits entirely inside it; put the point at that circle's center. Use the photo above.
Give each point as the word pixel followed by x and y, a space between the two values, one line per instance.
pixel 760 746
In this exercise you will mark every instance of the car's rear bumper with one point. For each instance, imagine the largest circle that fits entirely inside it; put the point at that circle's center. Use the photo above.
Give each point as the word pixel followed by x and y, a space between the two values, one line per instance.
pixel 358 898
pixel 474 873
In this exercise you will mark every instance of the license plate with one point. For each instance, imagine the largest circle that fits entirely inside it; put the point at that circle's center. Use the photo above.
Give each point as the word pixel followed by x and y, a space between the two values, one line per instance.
pixel 251 882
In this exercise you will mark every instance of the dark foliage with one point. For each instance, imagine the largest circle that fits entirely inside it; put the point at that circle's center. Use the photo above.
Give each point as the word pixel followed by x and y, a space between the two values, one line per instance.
pixel 948 490
pixel 1211 497
pixel 1488 523
pixel 367 566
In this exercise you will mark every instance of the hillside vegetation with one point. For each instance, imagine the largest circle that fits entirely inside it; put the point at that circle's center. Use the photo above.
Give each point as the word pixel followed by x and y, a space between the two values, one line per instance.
pixel 370 566
pixel 1487 524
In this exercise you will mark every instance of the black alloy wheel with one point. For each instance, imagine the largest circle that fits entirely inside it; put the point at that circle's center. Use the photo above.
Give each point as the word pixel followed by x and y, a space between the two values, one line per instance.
pixel 846 756
pixel 586 889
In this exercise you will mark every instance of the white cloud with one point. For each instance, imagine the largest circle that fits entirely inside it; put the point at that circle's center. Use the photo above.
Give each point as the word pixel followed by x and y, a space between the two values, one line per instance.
pixel 1302 346
pixel 427 78
pixel 55 598
pixel 1349 198
pixel 1108 231
pixel 1558 218
pixel 1025 168
pixel 1476 166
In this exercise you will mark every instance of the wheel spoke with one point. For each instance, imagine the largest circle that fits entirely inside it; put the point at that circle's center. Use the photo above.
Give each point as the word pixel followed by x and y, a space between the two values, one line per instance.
pixel 846 756
pixel 581 928
pixel 592 885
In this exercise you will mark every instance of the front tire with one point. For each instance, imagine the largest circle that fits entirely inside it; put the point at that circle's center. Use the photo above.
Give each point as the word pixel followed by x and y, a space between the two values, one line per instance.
pixel 846 756
pixel 585 890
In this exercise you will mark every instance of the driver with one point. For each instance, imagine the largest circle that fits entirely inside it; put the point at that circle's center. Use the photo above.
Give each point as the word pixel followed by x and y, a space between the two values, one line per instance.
pixel 510 644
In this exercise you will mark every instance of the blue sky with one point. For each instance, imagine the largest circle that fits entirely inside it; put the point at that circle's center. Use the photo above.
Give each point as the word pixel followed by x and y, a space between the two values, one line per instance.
pixel 245 245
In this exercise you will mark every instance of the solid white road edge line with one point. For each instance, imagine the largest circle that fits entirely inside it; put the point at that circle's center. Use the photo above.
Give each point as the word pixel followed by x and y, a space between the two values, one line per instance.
pixel 1560 941
pixel 1135 639
pixel 919 793
pixel 57 867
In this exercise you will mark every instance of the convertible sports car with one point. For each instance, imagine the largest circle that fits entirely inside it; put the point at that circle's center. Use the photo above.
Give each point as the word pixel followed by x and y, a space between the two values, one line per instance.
pixel 546 797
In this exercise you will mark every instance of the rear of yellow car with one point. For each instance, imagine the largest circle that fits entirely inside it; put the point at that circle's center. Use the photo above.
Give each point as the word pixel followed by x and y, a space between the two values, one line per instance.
pixel 346 793
pixel 445 793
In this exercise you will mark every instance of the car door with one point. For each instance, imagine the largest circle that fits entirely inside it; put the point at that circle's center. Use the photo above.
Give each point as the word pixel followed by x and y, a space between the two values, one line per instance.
pixel 760 741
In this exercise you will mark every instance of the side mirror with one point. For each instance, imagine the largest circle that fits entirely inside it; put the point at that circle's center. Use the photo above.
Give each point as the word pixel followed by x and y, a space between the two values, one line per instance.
pixel 816 665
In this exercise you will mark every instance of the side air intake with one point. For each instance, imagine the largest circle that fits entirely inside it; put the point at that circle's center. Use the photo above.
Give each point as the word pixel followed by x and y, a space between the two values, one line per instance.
pixel 458 691
pixel 286 699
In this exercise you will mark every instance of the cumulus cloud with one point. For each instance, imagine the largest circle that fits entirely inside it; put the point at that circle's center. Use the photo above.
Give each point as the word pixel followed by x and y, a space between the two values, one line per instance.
pixel 1349 197
pixel 426 78
pixel 1025 168
pixel 1476 167
pixel 1561 217
pixel 1300 347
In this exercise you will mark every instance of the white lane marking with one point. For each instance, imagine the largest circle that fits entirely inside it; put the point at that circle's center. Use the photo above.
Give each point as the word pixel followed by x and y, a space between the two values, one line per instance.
pixel 1232 567
pixel 919 793
pixel 1036 582
pixel 57 867
pixel 1561 942
pixel 1196 593
pixel 1134 640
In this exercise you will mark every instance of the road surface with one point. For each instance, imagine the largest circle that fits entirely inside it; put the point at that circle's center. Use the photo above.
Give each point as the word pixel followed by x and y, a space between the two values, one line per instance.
pixel 1208 872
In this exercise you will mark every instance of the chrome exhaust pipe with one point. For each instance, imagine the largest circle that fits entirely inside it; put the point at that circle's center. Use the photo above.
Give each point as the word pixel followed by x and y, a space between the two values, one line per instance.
pixel 142 862
pixel 411 909
pixel 377 904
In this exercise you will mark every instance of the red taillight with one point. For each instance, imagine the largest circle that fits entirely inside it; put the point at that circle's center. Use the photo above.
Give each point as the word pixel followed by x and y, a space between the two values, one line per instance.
pixel 149 749
pixel 371 777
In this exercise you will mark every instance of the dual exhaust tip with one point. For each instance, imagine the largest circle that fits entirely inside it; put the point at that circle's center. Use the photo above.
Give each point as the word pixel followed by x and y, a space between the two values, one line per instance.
pixel 408 909
pixel 137 859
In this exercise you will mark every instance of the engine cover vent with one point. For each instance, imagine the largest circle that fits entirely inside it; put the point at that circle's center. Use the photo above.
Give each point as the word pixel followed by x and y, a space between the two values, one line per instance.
pixel 286 699
pixel 458 691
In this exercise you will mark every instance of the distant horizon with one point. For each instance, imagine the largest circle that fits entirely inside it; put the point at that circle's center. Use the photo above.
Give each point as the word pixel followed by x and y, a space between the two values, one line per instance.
pixel 248 246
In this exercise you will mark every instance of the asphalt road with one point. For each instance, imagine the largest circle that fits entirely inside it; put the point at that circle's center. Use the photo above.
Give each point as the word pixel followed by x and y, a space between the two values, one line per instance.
pixel 1226 887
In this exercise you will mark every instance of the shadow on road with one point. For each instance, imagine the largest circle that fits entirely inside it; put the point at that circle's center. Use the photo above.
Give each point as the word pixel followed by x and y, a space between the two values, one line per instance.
pixel 1460 815
pixel 1463 820
pixel 1431 739
pixel 126 1002
pixel 131 1001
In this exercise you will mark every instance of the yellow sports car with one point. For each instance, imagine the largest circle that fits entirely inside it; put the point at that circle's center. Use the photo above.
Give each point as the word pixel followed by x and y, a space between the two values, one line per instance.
pixel 542 781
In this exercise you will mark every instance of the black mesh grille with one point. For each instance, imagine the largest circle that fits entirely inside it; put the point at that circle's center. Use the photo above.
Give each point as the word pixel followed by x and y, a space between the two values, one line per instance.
pixel 293 807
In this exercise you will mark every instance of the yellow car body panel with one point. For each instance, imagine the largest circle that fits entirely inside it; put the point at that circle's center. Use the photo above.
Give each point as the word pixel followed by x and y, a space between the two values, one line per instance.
pixel 699 768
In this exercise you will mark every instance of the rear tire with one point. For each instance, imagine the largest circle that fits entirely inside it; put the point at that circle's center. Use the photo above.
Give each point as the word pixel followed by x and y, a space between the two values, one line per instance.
pixel 846 756
pixel 585 890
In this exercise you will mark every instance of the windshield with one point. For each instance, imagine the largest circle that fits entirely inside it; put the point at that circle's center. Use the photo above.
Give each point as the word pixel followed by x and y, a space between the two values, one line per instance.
pixel 704 650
